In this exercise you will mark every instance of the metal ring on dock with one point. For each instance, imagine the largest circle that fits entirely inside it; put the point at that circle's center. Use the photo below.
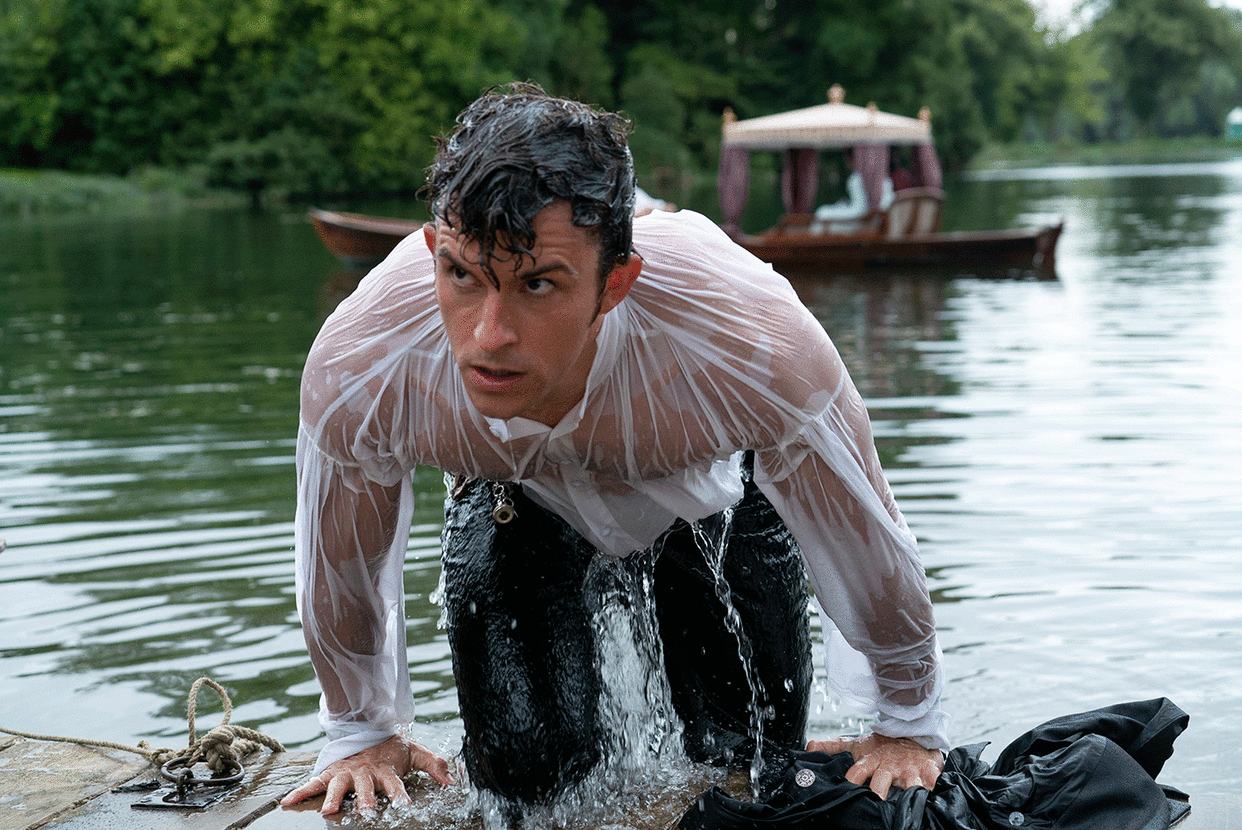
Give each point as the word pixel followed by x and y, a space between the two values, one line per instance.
pixel 186 778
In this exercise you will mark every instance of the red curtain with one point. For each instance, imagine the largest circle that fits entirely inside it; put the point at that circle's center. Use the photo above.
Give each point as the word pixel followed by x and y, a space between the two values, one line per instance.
pixel 927 167
pixel 732 184
pixel 800 179
pixel 871 162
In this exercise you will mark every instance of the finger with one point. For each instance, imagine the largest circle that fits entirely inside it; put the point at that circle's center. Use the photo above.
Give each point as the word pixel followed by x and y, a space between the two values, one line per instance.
pixel 311 788
pixel 364 792
pixel 881 781
pixel 861 771
pixel 394 787
pixel 337 788
pixel 425 760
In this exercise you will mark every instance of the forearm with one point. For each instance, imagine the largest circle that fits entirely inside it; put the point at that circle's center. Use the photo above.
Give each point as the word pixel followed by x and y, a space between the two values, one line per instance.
pixel 879 626
pixel 351 538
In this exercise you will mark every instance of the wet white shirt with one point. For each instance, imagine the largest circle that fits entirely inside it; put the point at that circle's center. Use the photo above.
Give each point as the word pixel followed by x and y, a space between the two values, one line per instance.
pixel 710 354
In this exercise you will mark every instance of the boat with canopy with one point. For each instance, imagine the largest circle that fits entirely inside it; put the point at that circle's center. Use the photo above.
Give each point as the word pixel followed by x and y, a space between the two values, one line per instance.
pixel 901 227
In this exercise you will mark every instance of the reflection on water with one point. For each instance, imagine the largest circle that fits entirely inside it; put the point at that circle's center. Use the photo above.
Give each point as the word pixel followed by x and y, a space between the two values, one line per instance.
pixel 1066 450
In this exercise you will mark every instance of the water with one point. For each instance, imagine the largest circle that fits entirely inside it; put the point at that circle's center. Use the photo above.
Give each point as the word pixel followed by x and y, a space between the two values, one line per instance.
pixel 1067 452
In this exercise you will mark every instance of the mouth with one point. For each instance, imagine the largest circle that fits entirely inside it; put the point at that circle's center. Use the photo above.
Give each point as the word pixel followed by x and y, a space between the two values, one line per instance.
pixel 490 377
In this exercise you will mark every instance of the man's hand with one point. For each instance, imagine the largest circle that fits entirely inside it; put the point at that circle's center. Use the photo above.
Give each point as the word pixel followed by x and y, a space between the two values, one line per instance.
pixel 887 762
pixel 374 770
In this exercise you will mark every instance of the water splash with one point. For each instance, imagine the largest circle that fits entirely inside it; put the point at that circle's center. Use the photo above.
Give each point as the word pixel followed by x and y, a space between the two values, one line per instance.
pixel 636 709
pixel 713 550
pixel 644 778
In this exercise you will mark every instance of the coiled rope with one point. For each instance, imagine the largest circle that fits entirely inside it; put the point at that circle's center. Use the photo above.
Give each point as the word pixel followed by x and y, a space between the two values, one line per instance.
pixel 221 749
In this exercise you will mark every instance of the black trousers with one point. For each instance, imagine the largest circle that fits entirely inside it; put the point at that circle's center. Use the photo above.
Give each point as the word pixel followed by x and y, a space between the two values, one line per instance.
pixel 524 650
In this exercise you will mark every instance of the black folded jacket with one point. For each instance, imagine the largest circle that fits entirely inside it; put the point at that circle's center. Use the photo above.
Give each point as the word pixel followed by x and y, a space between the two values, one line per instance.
pixel 1090 771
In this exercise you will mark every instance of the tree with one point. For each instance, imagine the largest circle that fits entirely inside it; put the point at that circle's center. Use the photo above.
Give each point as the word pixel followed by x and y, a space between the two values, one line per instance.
pixel 1015 72
pixel 307 95
pixel 330 96
pixel 1155 50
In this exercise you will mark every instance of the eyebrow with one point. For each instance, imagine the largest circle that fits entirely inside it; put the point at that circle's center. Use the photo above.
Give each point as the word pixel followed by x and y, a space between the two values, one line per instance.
pixel 443 252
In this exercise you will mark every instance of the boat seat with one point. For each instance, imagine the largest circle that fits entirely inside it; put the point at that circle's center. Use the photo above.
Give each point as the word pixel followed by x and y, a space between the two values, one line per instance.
pixel 808 223
pixel 914 211
pixel 795 223
pixel 869 224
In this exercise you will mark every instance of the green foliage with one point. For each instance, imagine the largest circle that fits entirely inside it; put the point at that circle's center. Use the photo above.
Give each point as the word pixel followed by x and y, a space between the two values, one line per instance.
pixel 1010 64
pixel 669 101
pixel 335 96
pixel 579 65
pixel 1156 51
pixel 28 99
pixel 311 96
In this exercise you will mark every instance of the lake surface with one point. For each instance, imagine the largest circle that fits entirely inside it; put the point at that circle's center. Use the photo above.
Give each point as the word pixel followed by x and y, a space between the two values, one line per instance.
pixel 1068 451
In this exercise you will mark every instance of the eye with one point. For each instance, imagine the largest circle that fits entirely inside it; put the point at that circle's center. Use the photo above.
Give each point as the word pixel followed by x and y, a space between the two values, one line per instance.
pixel 540 286
pixel 457 275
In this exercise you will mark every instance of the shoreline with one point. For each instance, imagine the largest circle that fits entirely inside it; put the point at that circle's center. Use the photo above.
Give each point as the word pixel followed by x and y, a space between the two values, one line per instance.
pixel 28 193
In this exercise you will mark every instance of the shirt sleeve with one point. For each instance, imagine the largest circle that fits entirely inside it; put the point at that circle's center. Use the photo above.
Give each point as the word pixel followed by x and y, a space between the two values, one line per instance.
pixel 351 535
pixel 355 503
pixel 880 641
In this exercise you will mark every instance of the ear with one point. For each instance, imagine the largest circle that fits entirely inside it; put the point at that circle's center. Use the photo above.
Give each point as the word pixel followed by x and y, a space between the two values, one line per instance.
pixel 429 234
pixel 620 280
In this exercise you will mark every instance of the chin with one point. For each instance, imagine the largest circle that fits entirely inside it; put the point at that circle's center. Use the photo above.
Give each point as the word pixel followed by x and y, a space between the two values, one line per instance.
pixel 497 409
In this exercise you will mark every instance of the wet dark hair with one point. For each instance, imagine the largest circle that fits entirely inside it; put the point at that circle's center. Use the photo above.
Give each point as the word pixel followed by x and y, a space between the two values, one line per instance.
pixel 516 150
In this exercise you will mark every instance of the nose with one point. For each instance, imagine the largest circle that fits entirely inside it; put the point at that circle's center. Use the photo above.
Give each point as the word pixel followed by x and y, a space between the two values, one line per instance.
pixel 495 328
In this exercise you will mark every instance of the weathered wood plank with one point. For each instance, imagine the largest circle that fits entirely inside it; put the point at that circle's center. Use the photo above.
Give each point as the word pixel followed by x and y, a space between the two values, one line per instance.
pixel 40 780
pixel 267 778
pixel 1213 811
pixel 60 786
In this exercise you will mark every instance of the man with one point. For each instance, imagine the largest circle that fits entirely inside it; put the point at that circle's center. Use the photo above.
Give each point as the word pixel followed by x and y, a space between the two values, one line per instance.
pixel 593 386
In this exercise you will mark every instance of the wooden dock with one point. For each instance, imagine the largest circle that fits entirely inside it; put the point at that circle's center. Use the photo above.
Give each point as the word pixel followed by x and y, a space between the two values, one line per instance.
pixel 71 787
pixel 58 786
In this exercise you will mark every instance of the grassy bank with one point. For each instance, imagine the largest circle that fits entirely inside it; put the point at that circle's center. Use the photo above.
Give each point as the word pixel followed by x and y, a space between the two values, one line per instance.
pixel 25 193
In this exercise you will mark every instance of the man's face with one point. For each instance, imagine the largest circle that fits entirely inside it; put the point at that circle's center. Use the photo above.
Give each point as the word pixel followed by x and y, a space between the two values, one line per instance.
pixel 524 348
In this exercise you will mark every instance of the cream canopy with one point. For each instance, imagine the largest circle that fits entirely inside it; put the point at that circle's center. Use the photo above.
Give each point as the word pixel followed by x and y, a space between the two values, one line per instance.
pixel 801 134
pixel 827 126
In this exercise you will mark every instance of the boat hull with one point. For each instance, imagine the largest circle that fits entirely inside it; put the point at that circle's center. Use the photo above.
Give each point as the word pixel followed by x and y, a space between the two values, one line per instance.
pixel 1030 248
pixel 359 240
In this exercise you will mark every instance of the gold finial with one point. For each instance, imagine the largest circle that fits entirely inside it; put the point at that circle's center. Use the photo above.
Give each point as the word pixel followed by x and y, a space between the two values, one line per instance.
pixel 836 94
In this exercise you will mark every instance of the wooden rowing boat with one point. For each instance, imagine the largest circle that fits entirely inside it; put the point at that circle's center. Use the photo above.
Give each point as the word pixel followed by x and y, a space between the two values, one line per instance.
pixel 360 240
pixel 1023 248
pixel 357 239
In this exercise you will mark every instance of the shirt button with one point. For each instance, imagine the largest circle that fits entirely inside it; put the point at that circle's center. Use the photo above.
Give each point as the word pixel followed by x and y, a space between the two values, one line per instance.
pixel 1016 819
